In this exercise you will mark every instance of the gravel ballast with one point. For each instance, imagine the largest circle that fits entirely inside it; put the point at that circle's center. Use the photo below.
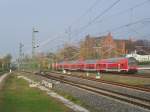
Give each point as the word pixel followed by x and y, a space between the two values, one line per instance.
pixel 94 102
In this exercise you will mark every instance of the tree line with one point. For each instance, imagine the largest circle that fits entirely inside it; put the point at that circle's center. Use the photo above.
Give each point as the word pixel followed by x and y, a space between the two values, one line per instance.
pixel 5 63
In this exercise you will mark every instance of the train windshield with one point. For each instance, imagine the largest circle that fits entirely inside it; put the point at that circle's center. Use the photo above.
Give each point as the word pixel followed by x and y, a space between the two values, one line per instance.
pixel 132 61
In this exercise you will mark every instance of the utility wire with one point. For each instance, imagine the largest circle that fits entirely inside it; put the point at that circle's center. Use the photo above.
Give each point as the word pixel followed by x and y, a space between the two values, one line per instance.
pixel 127 25
pixel 68 31
pixel 86 12
pixel 124 11
pixel 121 12
pixel 97 17
pixel 135 6
pixel 115 15
pixel 89 9
pixel 105 11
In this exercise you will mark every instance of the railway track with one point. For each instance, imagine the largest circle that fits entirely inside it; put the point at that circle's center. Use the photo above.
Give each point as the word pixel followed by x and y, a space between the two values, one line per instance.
pixel 143 75
pixel 141 88
pixel 143 103
pixel 140 75
pixel 126 98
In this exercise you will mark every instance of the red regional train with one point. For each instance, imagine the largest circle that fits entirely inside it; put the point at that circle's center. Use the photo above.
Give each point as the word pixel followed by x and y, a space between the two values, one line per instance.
pixel 123 65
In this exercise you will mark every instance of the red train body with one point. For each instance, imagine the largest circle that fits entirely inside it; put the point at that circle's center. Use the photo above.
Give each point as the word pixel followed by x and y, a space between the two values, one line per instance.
pixel 105 65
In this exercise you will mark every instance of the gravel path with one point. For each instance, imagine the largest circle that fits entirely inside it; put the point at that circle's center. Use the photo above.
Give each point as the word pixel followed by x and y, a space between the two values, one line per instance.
pixel 2 77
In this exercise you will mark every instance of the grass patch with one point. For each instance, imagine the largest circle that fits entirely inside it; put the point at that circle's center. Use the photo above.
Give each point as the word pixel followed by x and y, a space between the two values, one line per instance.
pixel 127 80
pixel 16 96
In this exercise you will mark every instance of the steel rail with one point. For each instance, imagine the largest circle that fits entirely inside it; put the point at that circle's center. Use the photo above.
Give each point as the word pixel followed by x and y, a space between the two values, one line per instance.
pixel 140 88
pixel 115 95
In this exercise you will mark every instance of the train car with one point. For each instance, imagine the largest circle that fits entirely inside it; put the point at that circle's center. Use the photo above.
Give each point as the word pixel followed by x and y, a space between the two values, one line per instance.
pixel 67 65
pixel 126 65
pixel 90 65
pixel 80 64
pixel 132 65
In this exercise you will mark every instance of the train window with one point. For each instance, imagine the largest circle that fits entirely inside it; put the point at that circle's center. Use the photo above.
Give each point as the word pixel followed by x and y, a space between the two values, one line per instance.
pixel 132 61
pixel 98 65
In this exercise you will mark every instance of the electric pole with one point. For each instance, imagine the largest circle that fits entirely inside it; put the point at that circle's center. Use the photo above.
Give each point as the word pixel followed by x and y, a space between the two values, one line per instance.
pixel 68 32
pixel 20 54
pixel 33 41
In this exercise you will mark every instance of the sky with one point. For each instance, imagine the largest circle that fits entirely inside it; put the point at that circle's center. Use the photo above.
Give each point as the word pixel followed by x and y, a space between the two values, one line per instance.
pixel 69 21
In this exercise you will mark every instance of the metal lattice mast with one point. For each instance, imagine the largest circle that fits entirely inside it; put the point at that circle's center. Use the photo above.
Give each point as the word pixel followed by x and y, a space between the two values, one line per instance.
pixel 33 41
pixel 20 54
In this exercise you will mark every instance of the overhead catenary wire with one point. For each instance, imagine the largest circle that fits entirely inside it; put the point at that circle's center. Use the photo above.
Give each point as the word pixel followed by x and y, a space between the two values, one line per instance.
pixel 114 15
pixel 86 12
pixel 121 12
pixel 69 29
pixel 127 25
pixel 124 11
pixel 144 23
pixel 98 16
pixel 57 36
pixel 117 14
pixel 49 40
pixel 93 21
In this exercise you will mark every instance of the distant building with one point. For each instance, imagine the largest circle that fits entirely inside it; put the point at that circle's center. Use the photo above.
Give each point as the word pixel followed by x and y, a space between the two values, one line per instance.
pixel 103 47
pixel 107 47
pixel 139 58
pixel 142 47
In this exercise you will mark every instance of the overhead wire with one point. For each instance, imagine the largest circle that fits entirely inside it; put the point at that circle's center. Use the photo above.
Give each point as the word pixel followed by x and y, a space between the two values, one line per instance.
pixel 117 14
pixel 93 20
pixel 47 41
pixel 86 12
pixel 98 16
pixel 124 11
pixel 127 25
pixel 121 12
